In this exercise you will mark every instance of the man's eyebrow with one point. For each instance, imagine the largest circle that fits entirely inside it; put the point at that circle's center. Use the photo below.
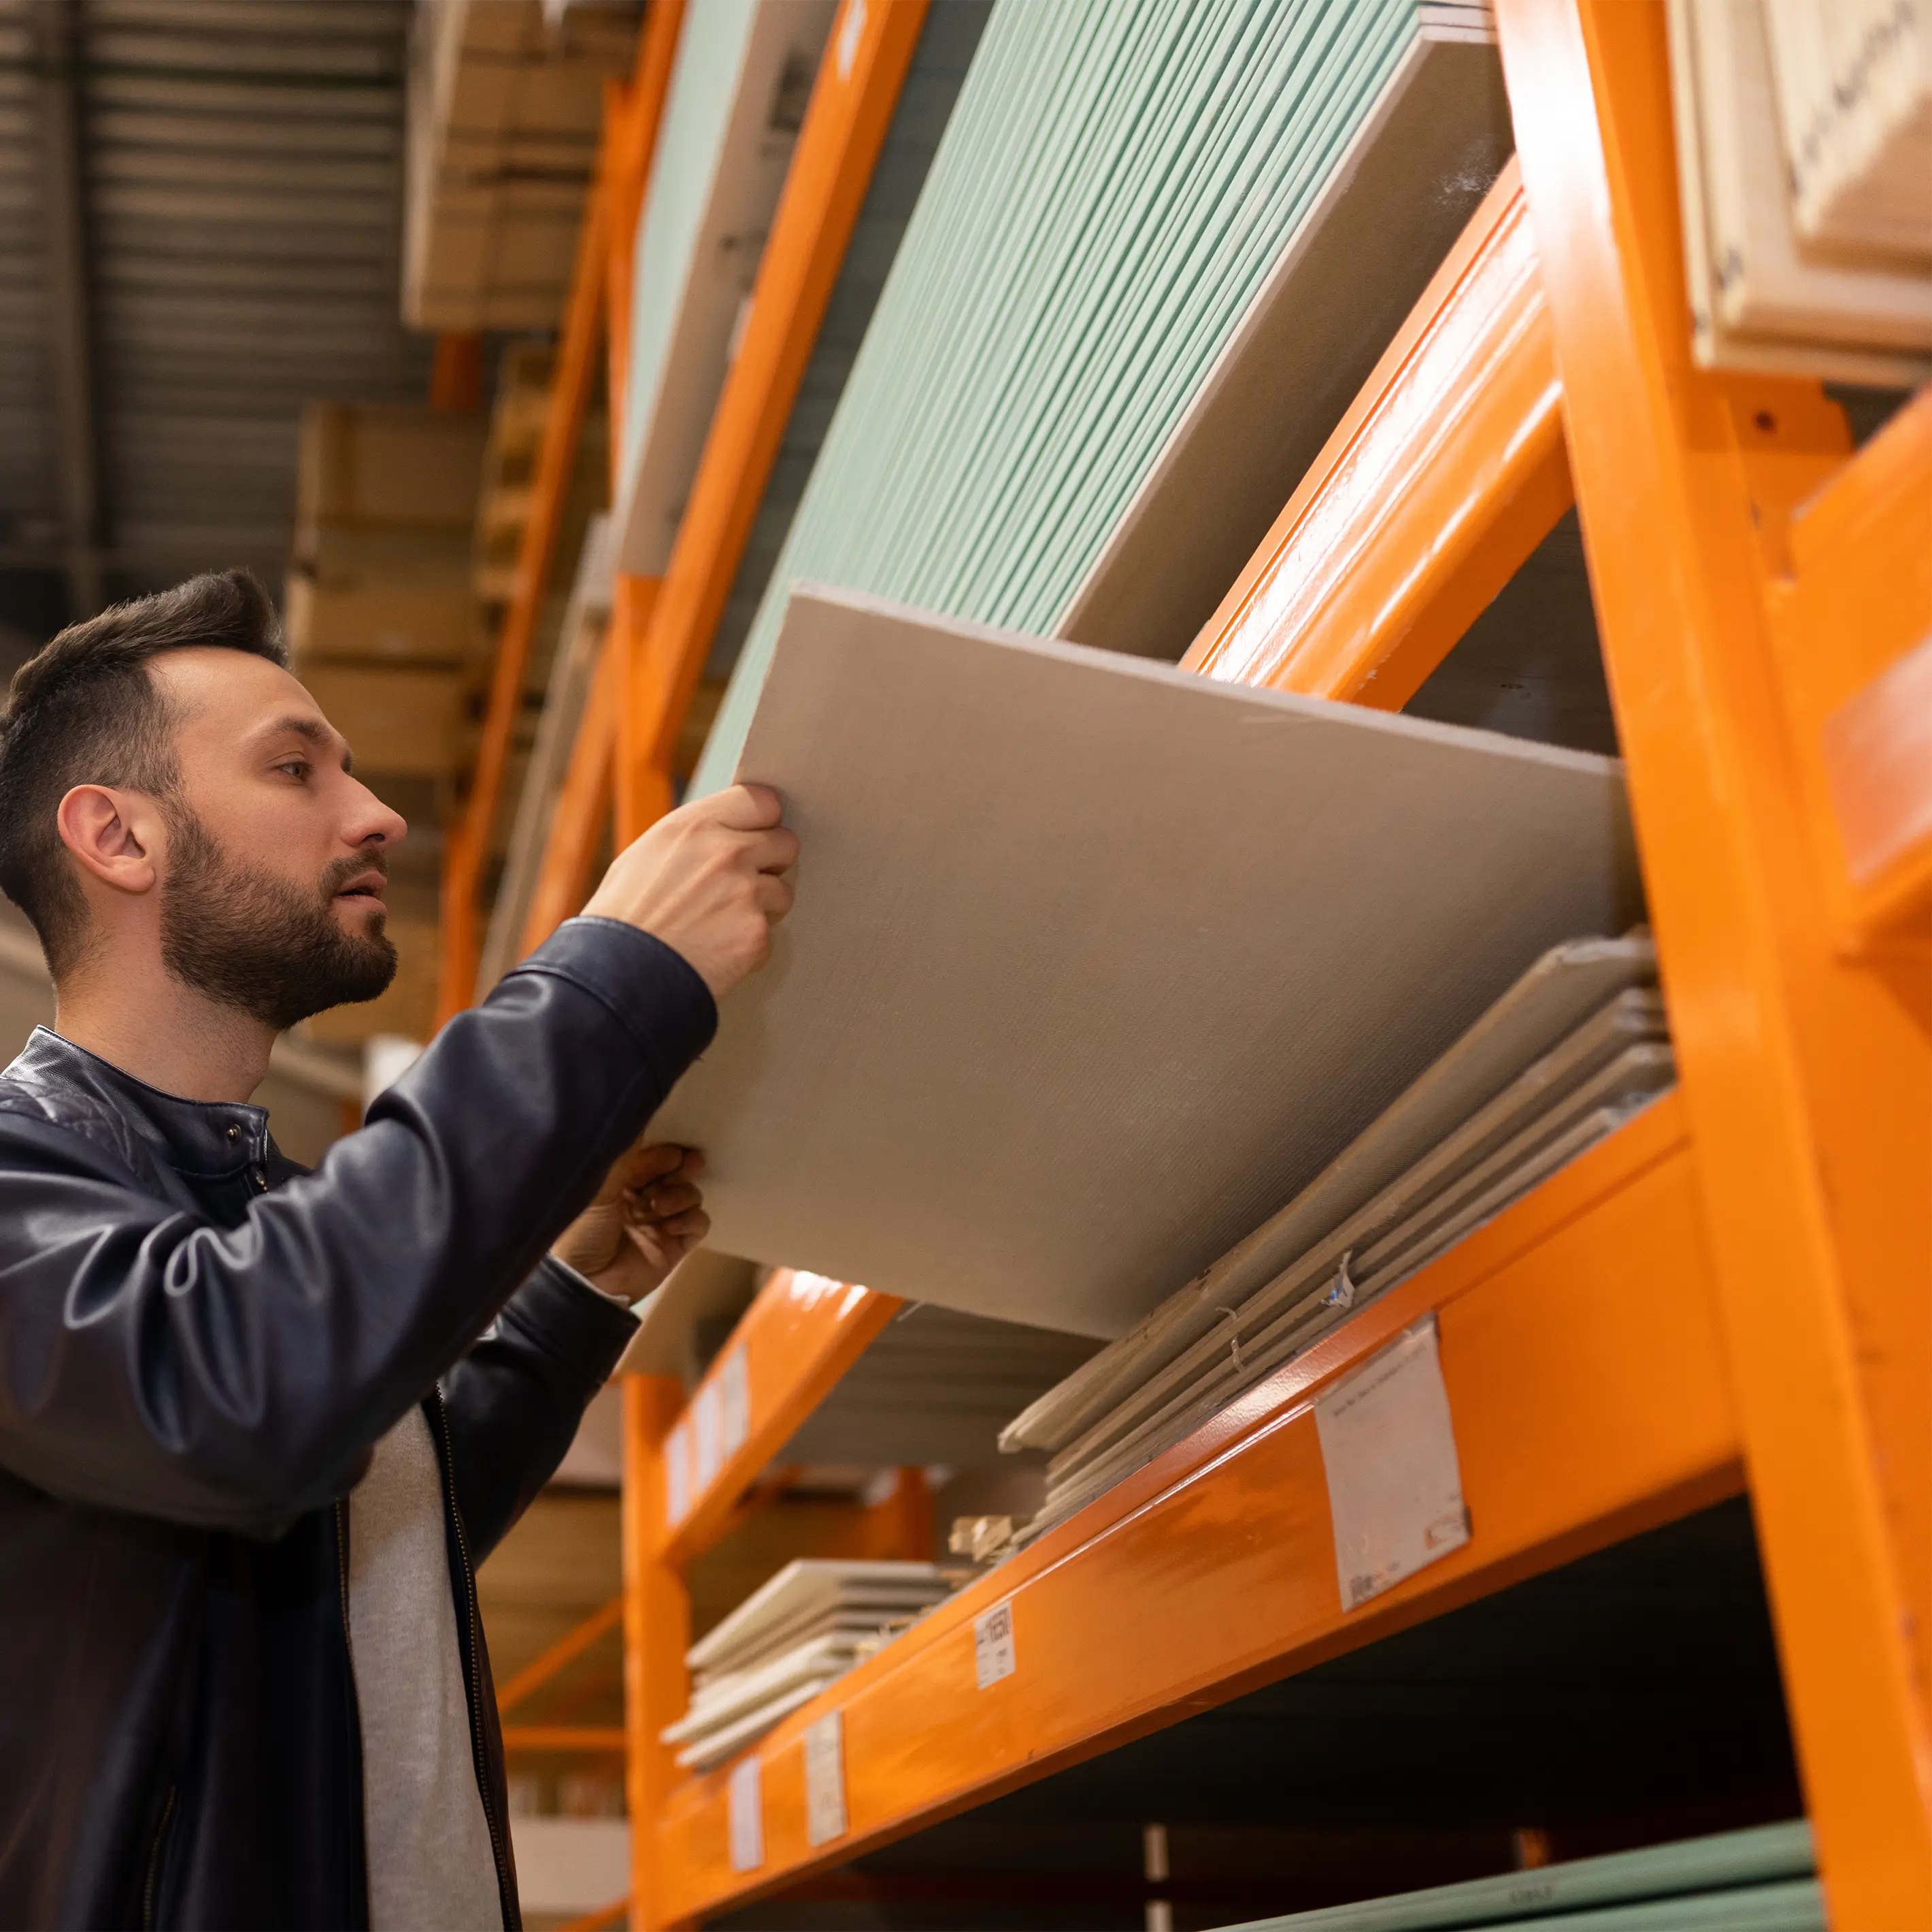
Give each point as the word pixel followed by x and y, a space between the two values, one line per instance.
pixel 317 734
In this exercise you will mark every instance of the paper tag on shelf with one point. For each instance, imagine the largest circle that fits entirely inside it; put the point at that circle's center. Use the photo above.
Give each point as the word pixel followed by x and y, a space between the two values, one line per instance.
pixel 1395 1488
pixel 707 1426
pixel 677 1474
pixel 734 1386
pixel 993 1656
pixel 824 1780
pixel 748 1817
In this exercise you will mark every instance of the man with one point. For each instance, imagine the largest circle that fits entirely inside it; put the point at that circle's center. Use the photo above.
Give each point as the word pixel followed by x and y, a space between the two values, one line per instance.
pixel 257 1425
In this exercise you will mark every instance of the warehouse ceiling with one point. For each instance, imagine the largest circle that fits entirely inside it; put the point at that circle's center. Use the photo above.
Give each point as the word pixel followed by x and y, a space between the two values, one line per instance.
pixel 200 217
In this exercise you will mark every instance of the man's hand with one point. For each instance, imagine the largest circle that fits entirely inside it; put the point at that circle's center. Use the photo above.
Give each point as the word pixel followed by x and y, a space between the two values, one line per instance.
pixel 705 880
pixel 646 1219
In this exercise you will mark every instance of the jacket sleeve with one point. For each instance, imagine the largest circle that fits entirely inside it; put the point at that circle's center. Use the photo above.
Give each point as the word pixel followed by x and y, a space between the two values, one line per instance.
pixel 234 1377
pixel 513 1401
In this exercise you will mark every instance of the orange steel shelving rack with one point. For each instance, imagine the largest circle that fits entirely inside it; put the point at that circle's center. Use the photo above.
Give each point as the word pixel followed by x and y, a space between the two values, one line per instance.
pixel 1764 597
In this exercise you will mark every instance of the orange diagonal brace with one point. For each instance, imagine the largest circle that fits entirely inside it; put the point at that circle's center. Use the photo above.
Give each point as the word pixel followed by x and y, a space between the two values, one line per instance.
pixel 561 1654
pixel 852 103
pixel 1447 472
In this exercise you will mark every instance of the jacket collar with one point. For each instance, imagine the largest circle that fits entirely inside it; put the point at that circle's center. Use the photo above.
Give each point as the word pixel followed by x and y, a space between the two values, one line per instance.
pixel 208 1140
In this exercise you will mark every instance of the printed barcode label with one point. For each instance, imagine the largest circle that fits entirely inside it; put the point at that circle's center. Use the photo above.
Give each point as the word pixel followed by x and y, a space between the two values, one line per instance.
pixel 825 1780
pixel 748 1817
pixel 677 1475
pixel 707 1423
pixel 993 1656
pixel 1388 1450
pixel 734 1383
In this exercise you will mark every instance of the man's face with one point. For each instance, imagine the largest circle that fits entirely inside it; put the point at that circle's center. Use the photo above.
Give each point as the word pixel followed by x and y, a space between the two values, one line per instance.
pixel 272 889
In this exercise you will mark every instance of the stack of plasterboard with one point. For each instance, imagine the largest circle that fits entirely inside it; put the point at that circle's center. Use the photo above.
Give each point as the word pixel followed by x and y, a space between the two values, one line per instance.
pixel 1568 1054
pixel 784 1644
pixel 1772 286
pixel 1855 96
pixel 1156 253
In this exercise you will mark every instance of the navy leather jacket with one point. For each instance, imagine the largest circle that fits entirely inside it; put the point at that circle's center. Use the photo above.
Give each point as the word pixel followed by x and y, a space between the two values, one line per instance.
pixel 199 1342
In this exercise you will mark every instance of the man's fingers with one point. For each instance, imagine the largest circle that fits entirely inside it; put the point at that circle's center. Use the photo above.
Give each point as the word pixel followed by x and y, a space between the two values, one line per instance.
pixel 645 1164
pixel 774 851
pixel 746 808
pixel 774 897
pixel 666 1198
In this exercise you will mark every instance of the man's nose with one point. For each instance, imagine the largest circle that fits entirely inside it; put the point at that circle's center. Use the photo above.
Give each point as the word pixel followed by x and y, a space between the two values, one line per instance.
pixel 377 823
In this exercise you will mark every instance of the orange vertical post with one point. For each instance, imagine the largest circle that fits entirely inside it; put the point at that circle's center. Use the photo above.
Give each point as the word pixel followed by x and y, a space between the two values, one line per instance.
pixel 556 458
pixel 456 375
pixel 1679 473
pixel 657 1628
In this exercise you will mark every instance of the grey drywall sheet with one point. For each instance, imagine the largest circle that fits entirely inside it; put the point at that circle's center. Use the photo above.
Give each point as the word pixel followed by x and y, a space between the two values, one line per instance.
pixel 1413 174
pixel 1095 963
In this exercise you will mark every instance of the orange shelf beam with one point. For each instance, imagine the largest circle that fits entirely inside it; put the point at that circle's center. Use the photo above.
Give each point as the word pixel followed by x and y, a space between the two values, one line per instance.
pixel 1574 1428
pixel 858 87
pixel 1447 471
pixel 1808 1084
pixel 592 1738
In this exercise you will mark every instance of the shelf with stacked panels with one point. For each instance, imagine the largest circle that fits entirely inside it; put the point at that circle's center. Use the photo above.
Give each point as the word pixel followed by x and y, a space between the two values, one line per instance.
pixel 1571 1430
pixel 1575 1427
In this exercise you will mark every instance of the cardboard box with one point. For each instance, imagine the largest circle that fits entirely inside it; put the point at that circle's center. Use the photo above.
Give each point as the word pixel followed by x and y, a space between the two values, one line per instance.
pixel 400 464
pixel 407 722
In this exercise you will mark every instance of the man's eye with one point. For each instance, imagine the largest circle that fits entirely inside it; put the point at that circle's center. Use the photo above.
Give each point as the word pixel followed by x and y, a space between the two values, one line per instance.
pixel 296 768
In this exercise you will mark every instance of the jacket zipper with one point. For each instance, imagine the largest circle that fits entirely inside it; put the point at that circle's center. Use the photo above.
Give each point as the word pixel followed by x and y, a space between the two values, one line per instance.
pixel 156 1852
pixel 473 1677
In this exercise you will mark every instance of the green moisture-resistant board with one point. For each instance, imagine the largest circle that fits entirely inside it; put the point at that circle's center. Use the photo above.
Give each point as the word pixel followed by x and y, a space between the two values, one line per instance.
pixel 1113 186
pixel 1755 1881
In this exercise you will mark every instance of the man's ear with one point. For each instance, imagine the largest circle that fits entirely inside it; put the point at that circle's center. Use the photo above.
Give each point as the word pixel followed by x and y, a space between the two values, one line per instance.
pixel 103 830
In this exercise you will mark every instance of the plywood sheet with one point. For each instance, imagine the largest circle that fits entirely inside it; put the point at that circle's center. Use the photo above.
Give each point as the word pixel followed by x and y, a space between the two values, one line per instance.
pixel 1096 963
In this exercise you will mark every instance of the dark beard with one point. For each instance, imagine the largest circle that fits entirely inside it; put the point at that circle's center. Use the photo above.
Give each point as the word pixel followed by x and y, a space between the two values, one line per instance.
pixel 250 940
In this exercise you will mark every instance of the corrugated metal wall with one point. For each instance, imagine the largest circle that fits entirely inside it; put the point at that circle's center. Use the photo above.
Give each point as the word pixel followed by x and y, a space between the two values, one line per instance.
pixel 1113 184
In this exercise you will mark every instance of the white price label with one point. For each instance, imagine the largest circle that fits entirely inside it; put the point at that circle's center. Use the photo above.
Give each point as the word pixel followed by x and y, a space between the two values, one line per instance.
pixel 677 1475
pixel 1388 1448
pixel 993 1656
pixel 707 1423
pixel 734 1384
pixel 748 1817
pixel 824 1780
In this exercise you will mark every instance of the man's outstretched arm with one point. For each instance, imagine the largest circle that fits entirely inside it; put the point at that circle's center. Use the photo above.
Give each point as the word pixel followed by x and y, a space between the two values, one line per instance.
pixel 236 1376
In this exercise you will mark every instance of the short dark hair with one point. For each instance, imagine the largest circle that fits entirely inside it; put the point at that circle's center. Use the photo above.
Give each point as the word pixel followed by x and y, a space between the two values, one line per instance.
pixel 84 710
